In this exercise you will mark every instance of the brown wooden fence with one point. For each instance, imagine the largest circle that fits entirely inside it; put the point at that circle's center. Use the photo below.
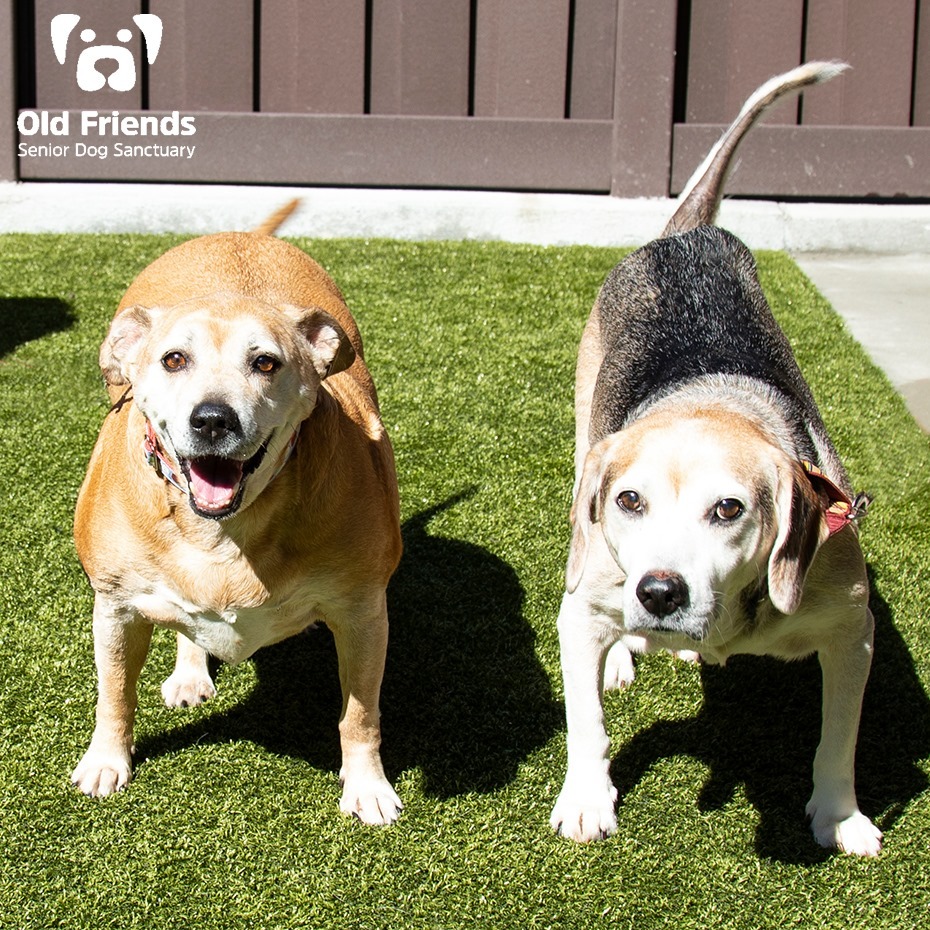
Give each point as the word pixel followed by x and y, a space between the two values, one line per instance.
pixel 618 96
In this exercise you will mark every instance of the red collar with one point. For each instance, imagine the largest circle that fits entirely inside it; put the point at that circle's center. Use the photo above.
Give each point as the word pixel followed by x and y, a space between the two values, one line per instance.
pixel 159 461
pixel 841 510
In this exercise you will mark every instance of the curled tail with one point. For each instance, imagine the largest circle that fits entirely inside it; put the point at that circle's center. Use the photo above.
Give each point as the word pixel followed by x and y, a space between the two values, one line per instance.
pixel 700 199
pixel 269 226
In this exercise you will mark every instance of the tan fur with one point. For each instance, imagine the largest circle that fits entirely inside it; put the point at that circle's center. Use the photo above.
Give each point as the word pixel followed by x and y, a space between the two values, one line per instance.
pixel 270 226
pixel 319 542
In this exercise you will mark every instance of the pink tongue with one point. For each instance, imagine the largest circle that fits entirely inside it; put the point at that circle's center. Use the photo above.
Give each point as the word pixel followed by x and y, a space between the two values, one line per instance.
pixel 214 481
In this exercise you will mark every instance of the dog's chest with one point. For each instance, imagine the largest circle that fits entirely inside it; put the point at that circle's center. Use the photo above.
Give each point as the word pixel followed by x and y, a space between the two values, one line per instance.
pixel 232 633
pixel 229 609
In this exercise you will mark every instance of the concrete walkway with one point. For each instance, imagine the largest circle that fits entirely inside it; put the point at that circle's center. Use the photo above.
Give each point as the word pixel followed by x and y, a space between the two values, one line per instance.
pixel 872 262
pixel 885 300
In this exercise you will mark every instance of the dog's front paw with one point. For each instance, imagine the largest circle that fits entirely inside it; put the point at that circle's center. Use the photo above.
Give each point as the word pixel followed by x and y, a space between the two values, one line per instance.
pixel 102 773
pixel 855 834
pixel 618 668
pixel 371 799
pixel 585 812
pixel 187 688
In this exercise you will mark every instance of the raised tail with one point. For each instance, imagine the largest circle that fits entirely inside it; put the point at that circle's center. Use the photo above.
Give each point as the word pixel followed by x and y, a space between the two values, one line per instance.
pixel 699 201
pixel 270 225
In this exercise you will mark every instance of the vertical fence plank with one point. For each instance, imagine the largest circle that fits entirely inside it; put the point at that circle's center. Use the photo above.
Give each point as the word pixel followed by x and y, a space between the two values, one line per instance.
pixel 521 58
pixel 56 84
pixel 8 159
pixel 877 39
pixel 735 46
pixel 312 56
pixel 206 58
pixel 921 115
pixel 642 136
pixel 420 52
pixel 594 54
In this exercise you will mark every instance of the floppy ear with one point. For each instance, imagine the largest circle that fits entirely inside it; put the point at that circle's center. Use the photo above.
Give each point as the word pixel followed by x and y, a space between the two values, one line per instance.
pixel 586 511
pixel 330 349
pixel 121 346
pixel 802 528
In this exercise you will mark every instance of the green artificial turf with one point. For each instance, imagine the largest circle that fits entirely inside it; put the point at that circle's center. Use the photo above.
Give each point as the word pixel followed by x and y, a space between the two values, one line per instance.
pixel 232 819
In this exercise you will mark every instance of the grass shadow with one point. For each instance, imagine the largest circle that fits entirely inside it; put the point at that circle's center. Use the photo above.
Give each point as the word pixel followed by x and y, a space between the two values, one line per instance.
pixel 759 727
pixel 29 318
pixel 467 695
pixel 464 697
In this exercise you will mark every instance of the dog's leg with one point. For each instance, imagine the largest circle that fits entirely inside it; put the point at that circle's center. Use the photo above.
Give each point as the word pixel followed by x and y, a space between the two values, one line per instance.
pixel 362 647
pixel 190 682
pixel 585 809
pixel 833 809
pixel 590 360
pixel 121 643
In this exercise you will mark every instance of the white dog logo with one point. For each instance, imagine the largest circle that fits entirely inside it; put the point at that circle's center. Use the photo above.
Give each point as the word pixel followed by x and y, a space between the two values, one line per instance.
pixel 88 77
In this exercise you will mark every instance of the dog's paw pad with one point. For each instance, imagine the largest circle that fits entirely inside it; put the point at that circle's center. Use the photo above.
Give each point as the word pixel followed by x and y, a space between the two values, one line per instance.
pixel 371 801
pixel 98 775
pixel 180 690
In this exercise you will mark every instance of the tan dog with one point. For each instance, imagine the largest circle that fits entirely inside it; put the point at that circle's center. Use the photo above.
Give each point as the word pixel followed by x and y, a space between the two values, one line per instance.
pixel 242 488
pixel 711 512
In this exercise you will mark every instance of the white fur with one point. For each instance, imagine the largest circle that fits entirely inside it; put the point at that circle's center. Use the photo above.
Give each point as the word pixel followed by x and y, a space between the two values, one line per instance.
pixel 766 582
pixel 680 470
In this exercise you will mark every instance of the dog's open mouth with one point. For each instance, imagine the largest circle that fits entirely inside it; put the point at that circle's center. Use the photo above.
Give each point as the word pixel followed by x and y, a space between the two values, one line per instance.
pixel 216 484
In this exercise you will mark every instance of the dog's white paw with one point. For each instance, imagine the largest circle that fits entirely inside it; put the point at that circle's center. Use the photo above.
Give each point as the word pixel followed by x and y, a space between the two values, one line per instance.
pixel 855 834
pixel 101 773
pixel 585 812
pixel 371 799
pixel 618 669
pixel 187 688
pixel 687 655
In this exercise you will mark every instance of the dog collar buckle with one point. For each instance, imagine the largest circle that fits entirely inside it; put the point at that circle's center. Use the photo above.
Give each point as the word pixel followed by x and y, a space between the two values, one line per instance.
pixel 841 510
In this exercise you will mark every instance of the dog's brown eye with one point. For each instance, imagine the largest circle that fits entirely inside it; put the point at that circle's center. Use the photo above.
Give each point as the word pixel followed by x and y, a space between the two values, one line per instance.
pixel 174 361
pixel 266 364
pixel 728 509
pixel 630 501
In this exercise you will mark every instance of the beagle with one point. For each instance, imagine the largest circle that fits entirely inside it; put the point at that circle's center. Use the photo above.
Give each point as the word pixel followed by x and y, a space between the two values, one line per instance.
pixel 711 512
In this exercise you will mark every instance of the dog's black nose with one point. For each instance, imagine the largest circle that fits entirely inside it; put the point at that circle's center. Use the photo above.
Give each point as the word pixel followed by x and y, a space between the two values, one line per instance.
pixel 214 422
pixel 662 593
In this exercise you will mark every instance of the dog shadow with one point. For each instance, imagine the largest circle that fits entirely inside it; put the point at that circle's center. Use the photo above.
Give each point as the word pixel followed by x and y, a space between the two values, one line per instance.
pixel 464 698
pixel 759 727
pixel 29 318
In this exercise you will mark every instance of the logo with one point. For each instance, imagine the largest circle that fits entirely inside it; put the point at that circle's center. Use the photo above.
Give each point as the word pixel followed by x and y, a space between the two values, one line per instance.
pixel 98 135
pixel 88 76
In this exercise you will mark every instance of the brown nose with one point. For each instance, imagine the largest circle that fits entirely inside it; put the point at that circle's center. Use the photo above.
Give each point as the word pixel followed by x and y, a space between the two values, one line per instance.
pixel 662 593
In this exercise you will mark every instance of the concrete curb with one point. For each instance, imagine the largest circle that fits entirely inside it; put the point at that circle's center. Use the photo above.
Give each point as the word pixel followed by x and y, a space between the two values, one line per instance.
pixel 544 219
pixel 872 261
